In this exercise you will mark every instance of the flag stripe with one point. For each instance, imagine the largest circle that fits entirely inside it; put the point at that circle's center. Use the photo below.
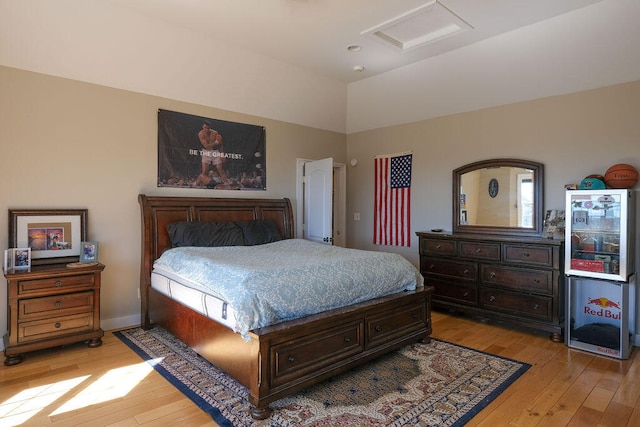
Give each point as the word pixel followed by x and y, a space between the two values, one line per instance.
pixel 392 197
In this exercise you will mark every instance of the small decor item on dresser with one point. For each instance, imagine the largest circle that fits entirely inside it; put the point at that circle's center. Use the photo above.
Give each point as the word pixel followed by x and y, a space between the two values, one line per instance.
pixel 8 260
pixel 17 259
pixel 554 224
pixel 53 235
pixel 89 252
pixel 22 258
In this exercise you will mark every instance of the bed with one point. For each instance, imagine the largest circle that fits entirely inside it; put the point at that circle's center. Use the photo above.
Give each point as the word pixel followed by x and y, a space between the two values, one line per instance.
pixel 277 360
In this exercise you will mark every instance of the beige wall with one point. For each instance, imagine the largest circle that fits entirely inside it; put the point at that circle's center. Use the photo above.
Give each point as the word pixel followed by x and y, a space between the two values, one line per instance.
pixel 66 144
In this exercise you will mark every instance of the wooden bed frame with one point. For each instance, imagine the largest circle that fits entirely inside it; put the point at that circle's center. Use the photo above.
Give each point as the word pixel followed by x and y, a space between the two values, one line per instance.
pixel 282 359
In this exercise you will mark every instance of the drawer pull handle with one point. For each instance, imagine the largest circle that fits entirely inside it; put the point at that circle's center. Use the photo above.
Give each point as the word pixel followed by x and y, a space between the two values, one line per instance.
pixel 58 284
pixel 466 270
pixel 536 280
pixel 535 307
pixel 58 304
pixel 347 339
pixel 57 325
pixel 415 315
pixel 431 267
pixel 478 250
pixel 466 294
pixel 492 275
pixel 492 298
pixel 526 254
pixel 438 246
pixel 378 328
pixel 291 359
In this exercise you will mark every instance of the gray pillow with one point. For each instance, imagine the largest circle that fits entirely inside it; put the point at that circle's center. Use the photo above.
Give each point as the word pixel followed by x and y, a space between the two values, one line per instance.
pixel 259 231
pixel 205 234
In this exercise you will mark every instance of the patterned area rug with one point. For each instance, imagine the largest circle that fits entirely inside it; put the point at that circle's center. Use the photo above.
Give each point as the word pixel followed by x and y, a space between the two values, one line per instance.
pixel 435 384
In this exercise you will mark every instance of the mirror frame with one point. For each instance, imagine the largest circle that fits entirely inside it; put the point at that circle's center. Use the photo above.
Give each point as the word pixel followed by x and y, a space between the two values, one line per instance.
pixel 538 191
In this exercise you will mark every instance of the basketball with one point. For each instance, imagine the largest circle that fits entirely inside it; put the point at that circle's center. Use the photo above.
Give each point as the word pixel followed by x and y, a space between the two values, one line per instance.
pixel 621 176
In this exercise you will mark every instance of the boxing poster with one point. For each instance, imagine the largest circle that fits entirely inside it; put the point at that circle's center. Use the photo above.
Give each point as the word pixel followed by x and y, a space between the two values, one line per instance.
pixel 205 153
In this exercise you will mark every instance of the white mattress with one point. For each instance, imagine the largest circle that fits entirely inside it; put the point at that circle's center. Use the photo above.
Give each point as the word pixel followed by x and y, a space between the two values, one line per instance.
pixel 180 290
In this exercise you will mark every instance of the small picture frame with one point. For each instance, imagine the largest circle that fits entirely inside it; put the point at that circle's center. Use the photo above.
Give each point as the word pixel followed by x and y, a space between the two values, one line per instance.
pixel 21 258
pixel 8 260
pixel 88 252
pixel 554 224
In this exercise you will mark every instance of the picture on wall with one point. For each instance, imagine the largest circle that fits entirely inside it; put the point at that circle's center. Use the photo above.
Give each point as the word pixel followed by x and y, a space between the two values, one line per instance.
pixel 200 152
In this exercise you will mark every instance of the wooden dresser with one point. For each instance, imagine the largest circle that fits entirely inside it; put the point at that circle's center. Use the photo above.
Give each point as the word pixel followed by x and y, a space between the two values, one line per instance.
pixel 514 279
pixel 52 305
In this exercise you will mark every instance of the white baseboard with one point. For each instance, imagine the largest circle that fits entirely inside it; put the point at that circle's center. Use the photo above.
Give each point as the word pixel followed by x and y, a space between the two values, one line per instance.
pixel 120 322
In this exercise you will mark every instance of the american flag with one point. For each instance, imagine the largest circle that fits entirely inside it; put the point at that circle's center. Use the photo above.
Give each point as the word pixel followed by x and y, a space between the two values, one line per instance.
pixel 392 202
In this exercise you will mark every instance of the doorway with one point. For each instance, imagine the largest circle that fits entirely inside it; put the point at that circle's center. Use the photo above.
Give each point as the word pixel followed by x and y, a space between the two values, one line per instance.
pixel 339 199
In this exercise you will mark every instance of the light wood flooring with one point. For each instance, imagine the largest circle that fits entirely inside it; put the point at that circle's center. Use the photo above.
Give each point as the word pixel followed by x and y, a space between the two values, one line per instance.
pixel 109 386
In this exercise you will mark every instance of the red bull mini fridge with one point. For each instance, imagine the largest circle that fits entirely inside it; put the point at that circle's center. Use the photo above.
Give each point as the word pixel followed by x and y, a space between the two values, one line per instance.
pixel 600 271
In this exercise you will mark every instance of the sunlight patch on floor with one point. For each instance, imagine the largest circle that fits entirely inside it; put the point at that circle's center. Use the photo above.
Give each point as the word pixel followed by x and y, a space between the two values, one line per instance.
pixel 29 402
pixel 114 384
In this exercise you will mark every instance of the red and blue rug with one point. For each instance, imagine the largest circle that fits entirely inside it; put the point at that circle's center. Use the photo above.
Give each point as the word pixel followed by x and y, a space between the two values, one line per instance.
pixel 435 384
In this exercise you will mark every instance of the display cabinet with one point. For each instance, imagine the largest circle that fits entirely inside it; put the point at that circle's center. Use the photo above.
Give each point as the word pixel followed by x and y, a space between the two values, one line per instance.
pixel 600 234
pixel 600 270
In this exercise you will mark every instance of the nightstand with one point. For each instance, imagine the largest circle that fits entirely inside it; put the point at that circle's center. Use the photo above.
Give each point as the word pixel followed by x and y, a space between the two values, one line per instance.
pixel 52 305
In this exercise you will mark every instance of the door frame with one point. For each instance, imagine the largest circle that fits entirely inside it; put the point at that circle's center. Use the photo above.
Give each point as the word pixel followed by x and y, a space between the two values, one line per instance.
pixel 340 201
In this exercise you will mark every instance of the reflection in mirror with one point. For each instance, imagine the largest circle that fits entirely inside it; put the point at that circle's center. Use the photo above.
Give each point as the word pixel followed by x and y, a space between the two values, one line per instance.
pixel 498 197
pixel 501 196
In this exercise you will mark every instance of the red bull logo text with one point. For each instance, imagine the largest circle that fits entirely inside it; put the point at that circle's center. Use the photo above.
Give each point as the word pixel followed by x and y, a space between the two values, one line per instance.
pixel 604 306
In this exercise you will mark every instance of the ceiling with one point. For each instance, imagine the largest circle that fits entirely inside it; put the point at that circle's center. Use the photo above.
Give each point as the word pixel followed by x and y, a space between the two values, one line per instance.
pixel 316 34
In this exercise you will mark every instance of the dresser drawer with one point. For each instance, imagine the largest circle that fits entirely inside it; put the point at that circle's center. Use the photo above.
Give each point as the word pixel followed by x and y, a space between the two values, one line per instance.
pixel 385 325
pixel 440 247
pixel 297 358
pixel 540 281
pixel 530 255
pixel 517 304
pixel 54 306
pixel 464 270
pixel 56 284
pixel 478 250
pixel 50 328
pixel 461 293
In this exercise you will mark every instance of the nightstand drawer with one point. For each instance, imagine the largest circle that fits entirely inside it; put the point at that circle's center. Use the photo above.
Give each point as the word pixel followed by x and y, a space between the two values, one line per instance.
pixel 50 328
pixel 54 306
pixel 56 284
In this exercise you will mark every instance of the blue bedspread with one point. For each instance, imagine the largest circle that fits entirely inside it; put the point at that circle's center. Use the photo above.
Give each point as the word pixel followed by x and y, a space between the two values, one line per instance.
pixel 284 280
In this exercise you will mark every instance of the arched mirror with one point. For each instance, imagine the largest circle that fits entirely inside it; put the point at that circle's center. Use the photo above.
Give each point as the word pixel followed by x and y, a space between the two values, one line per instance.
pixel 498 196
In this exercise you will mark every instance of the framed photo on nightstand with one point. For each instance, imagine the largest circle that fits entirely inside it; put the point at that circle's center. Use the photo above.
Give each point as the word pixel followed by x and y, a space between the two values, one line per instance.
pixel 17 259
pixel 89 252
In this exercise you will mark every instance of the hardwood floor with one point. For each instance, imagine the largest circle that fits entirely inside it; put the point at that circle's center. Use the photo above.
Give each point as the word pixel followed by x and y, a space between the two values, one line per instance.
pixel 111 386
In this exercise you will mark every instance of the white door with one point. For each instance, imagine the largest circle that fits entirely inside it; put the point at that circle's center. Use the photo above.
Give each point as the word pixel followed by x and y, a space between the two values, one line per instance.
pixel 318 201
